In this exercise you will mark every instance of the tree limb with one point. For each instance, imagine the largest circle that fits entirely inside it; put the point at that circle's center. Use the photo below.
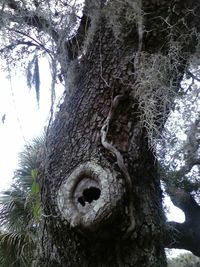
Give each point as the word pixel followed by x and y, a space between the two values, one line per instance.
pixel 178 178
pixel 184 235
pixel 14 45
pixel 30 18
pixel 69 48
pixel 12 4
pixel 73 45
pixel 186 202
pixel 192 75
pixel 36 43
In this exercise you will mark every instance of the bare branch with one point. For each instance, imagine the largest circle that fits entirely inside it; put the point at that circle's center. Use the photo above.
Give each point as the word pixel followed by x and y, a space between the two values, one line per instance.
pixel 191 155
pixel 42 25
pixel 194 77
pixel 183 236
pixel 186 202
pixel 191 148
pixel 38 44
pixel 14 45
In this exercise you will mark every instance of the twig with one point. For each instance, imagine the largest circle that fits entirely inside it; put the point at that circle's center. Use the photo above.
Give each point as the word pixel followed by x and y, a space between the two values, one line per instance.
pixel 38 44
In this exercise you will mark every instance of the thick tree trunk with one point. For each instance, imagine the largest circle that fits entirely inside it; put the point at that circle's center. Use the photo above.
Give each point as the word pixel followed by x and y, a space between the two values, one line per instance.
pixel 102 241
pixel 97 141
pixel 101 192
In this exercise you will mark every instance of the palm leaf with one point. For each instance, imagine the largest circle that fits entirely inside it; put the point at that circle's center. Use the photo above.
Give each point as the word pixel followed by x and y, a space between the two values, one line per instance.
pixel 15 249
pixel 21 210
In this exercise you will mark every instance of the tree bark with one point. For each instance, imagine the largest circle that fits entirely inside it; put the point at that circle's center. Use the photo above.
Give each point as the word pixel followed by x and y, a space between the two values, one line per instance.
pixel 101 191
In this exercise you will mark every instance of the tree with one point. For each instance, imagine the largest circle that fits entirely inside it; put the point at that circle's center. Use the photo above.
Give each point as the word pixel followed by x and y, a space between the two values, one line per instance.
pixel 122 63
pixel 21 211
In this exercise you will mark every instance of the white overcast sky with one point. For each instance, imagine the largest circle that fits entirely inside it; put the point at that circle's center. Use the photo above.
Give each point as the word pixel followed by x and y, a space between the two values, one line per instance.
pixel 24 120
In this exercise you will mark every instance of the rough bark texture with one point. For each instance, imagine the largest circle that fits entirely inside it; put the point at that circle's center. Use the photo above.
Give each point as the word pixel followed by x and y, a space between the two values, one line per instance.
pixel 98 131
pixel 100 187
pixel 76 139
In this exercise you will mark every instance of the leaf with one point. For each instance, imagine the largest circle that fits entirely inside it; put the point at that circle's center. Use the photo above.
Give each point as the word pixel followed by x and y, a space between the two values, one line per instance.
pixel 35 188
pixel 21 210
pixel 34 174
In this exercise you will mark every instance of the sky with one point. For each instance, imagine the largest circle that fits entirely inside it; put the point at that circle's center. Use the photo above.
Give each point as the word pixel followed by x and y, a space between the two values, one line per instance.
pixel 24 120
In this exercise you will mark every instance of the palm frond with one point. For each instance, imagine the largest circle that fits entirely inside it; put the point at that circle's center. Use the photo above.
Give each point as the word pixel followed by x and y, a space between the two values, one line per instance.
pixel 21 210
pixel 14 214
pixel 15 249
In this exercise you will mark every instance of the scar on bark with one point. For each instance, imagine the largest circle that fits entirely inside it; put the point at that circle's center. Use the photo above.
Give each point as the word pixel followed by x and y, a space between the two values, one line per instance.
pixel 119 157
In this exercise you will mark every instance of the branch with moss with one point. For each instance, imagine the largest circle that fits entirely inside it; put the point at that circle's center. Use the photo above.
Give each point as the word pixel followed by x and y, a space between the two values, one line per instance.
pixel 183 191
pixel 190 150
pixel 14 45
pixel 32 19
pixel 35 42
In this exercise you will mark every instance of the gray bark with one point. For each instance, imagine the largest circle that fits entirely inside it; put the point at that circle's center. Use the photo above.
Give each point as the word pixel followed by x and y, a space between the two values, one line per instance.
pixel 100 189
pixel 96 235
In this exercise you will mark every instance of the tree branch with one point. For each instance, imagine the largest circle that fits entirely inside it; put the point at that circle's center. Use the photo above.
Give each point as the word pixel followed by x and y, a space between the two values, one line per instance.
pixel 73 45
pixel 36 43
pixel 12 4
pixel 186 202
pixel 30 18
pixel 12 46
pixel 178 178
pixel 42 25
pixel 184 235
pixel 190 74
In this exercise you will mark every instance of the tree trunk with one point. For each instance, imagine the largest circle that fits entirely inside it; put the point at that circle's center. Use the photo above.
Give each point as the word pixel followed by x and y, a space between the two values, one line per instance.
pixel 122 226
pixel 101 191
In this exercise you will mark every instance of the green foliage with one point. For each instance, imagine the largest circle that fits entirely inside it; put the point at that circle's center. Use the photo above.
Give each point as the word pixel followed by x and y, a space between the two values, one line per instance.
pixel 184 260
pixel 34 197
pixel 21 210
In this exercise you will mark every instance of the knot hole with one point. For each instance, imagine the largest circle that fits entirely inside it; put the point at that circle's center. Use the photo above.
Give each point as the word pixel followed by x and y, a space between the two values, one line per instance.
pixel 89 194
